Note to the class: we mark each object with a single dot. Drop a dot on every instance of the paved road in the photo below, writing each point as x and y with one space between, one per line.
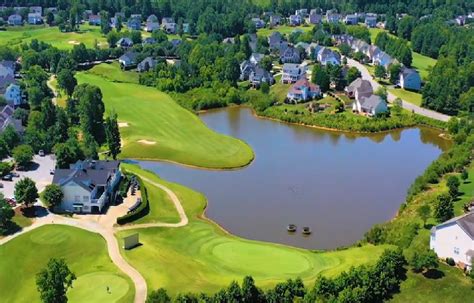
103 225
391 97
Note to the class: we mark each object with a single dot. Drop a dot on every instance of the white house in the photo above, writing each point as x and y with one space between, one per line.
455 239
292 72
35 18
410 79
87 185
370 106
13 95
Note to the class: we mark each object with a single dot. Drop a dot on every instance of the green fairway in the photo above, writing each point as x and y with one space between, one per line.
409 96
159 129
85 253
87 35
202 257
283 29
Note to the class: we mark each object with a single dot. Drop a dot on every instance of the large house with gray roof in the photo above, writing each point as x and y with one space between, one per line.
409 79
455 239
7 120
370 106
87 185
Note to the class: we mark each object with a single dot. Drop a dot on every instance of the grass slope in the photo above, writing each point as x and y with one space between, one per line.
283 29
88 35
407 95
85 253
201 257
175 133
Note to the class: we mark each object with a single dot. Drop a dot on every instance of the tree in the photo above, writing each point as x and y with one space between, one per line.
23 154
424 261
11 137
53 195
380 71
266 63
320 77
54 281
467 100
104 23
6 214
26 191
118 24
250 292
112 39
382 93
394 72
453 186
158 296
265 88
340 107
67 153
352 74
424 213
444 208
91 110
112 135
67 81
464 175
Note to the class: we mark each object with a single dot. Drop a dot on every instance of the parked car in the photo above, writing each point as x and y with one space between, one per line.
7 177
41 153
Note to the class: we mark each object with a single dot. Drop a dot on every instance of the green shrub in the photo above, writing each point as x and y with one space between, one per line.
141 211
450 261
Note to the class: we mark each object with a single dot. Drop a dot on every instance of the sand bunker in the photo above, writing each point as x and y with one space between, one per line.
123 124
74 42
146 142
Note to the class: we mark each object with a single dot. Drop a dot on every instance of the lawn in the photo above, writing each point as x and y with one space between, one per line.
280 90
157 128
112 72
201 257
409 96
87 35
85 253
283 29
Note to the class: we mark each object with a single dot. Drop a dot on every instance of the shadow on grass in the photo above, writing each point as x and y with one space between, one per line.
34 211
10 229
433 274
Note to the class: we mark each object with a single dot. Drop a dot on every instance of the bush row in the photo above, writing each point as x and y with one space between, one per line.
141 211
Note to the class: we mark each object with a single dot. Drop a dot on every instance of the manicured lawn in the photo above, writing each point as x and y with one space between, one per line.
85 253
201 257
466 190
159 129
87 35
283 29
280 90
423 64
112 72
406 95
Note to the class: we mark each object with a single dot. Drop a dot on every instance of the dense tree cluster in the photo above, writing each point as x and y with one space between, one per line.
395 47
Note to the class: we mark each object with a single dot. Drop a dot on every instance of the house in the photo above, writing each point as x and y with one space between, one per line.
259 23
259 76
169 28
136 16
15 20
255 58
360 46
7 119
35 18
186 28
87 185
290 55
176 42
455 239
124 42
314 17
166 20
327 56
152 18
151 26
409 79
274 40
246 68
371 20
7 75
382 58
302 45
134 24
332 16
295 20
372 105
275 20
128 60
351 19
13 95
359 88
303 13
372 52
52 9
228 40
292 72
303 90
149 40
36 10
312 50
147 64
94 20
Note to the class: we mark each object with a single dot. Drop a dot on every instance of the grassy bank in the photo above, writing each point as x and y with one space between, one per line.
201 257
85 253
283 29
157 128
409 96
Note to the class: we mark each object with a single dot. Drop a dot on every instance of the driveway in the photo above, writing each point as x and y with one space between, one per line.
39 172
391 97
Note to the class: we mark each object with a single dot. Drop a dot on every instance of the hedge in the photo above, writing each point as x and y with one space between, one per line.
141 211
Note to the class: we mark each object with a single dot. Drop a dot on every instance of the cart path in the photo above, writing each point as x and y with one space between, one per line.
391 97
107 231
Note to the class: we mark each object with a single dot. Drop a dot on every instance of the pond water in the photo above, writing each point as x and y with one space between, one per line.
337 184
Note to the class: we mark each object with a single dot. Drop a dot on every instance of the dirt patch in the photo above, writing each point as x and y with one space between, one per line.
123 124
74 42
147 142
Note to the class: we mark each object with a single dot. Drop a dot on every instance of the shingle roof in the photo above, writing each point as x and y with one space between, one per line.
466 222
371 102
361 84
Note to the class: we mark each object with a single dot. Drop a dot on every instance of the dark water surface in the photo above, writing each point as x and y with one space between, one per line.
337 184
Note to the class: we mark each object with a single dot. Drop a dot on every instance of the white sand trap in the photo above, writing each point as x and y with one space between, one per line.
74 42
123 124
146 142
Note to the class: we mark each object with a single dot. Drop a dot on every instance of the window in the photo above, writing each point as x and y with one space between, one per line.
77 199
85 198
456 250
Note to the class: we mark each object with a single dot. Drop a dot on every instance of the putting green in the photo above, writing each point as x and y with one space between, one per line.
159 129
85 253
201 257
93 288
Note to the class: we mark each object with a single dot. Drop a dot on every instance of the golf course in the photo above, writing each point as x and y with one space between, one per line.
85 253
155 127
201 257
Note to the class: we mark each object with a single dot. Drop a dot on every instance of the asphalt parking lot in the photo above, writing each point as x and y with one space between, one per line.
39 172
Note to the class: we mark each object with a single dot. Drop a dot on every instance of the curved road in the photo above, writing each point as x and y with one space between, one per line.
391 97
107 231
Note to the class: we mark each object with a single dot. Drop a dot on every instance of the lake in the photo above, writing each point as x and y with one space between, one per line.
337 184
